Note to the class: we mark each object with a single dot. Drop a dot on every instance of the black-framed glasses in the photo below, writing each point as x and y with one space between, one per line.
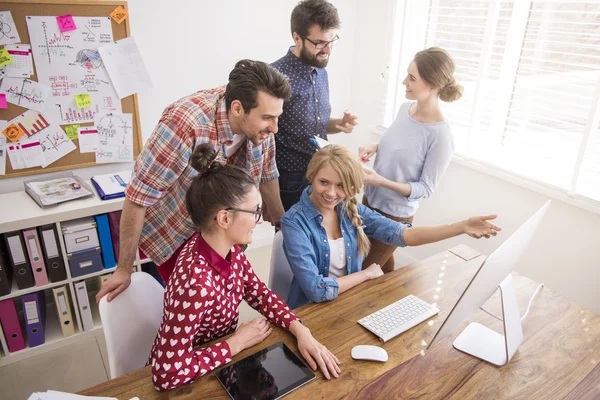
257 213
320 45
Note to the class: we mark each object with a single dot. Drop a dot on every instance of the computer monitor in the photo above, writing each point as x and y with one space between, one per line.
494 273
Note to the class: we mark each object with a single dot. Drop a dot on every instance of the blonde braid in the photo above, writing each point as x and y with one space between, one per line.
363 241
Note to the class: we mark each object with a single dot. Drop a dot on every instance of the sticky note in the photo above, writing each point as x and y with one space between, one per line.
5 58
72 131
13 132
119 14
83 100
3 103
66 23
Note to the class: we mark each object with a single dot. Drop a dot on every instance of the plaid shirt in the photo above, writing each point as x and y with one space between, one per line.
162 173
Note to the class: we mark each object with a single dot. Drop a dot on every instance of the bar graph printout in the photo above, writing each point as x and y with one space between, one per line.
70 64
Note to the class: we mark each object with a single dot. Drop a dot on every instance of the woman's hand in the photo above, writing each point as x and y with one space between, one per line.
373 271
367 151
478 227
314 352
372 178
248 334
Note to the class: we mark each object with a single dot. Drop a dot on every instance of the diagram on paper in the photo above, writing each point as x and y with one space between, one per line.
8 30
115 137
25 93
70 64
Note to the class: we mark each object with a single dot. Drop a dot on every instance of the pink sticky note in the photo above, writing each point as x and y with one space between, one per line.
3 101
66 23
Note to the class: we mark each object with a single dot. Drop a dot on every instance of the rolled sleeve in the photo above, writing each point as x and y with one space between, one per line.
163 159
269 169
381 228
302 258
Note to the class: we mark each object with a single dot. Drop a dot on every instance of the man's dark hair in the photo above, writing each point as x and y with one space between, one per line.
314 12
248 77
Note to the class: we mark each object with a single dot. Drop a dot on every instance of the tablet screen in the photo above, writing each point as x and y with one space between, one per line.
268 374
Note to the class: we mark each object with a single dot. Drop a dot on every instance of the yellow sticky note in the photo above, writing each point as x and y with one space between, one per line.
83 100
119 14
13 132
5 58
72 131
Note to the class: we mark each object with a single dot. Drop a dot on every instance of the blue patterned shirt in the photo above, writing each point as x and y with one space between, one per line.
305 114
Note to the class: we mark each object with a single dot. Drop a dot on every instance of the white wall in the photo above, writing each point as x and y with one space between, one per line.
565 254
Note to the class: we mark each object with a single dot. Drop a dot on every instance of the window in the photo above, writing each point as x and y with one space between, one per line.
531 73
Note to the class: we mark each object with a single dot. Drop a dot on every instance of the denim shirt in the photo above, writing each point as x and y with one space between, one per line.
306 247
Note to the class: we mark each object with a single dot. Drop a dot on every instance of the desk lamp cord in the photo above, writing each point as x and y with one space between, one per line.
526 311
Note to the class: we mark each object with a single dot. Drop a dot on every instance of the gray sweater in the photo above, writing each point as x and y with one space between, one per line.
410 152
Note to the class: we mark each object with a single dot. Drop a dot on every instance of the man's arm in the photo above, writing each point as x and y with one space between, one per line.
345 124
132 221
269 191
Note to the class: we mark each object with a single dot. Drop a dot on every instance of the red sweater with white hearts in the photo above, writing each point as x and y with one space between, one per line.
201 304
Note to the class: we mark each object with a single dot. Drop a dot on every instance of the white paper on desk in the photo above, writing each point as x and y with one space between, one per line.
55 143
25 93
321 142
115 137
3 155
9 30
22 65
125 67
88 139
54 395
73 66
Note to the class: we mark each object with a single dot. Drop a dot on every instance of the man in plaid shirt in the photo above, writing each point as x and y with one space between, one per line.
240 120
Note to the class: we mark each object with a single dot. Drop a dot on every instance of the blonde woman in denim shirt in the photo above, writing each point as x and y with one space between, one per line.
326 234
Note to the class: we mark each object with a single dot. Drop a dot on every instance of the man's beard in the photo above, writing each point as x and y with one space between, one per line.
312 60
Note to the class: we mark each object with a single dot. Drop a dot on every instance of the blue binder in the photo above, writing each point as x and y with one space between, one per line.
105 196
34 314
108 254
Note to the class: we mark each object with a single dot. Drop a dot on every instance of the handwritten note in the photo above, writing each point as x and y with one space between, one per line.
3 103
5 58
66 23
119 14
72 131
13 132
8 30
83 100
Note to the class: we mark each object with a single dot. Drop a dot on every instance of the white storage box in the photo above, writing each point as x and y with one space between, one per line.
80 234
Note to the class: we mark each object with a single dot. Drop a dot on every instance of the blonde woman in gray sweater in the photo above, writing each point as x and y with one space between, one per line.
415 151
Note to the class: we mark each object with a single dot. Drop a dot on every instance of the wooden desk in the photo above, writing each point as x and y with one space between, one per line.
558 359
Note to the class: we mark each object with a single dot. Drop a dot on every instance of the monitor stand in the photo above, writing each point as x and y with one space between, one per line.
488 345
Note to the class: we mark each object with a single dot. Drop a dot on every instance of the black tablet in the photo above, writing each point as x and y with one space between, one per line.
268 374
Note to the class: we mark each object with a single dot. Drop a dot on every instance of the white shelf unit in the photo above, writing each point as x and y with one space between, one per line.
20 212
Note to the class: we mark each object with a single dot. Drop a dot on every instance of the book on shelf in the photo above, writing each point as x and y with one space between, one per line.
111 186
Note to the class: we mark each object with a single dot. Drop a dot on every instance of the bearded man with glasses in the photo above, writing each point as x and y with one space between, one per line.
314 28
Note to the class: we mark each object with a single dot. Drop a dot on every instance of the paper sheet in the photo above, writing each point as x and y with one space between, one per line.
70 64
125 67
115 138
55 143
22 65
15 156
25 93
31 122
32 154
8 30
88 139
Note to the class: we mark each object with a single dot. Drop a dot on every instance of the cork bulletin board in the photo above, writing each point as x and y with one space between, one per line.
20 9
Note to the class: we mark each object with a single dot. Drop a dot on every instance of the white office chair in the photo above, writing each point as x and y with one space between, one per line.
131 322
281 274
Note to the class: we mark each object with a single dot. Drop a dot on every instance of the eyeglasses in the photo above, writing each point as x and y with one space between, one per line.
320 45
257 213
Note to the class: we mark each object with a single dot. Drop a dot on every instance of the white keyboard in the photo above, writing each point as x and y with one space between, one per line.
398 317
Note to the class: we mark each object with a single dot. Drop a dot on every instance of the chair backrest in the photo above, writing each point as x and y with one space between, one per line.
280 278
131 321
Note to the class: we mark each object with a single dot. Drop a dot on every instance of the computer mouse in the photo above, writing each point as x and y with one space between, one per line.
370 353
